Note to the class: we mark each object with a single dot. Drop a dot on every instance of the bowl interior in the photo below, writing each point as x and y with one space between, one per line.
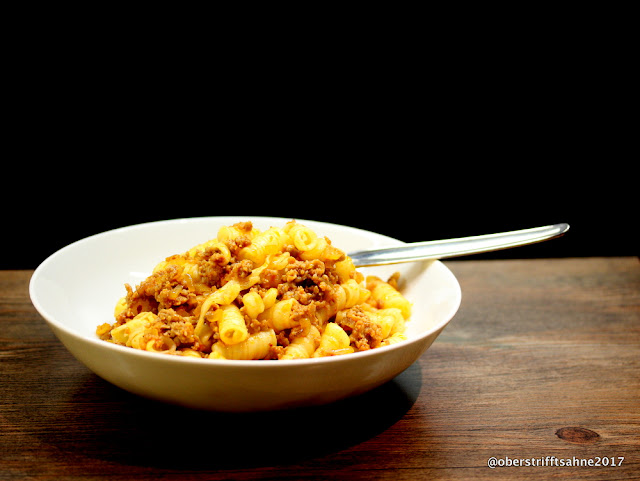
76 288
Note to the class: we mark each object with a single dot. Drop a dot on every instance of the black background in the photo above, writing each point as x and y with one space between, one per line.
405 197
421 146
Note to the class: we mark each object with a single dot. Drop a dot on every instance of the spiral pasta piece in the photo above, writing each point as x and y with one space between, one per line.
334 341
303 347
303 238
233 232
253 304
394 339
255 347
129 331
266 243
231 325
216 246
280 315
390 320
387 296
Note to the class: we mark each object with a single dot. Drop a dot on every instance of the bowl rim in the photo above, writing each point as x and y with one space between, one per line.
158 356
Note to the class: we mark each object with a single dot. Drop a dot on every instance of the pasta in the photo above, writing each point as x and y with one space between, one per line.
280 294
231 325
334 341
303 347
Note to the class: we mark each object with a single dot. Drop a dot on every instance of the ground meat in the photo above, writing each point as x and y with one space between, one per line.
305 317
270 278
238 270
299 271
236 244
256 325
104 331
275 352
209 270
245 227
305 281
393 280
178 328
283 338
363 333
171 296
137 301
160 290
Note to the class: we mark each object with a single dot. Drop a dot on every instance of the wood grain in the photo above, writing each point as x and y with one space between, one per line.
542 362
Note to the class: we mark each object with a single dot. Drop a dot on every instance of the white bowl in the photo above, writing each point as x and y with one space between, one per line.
76 289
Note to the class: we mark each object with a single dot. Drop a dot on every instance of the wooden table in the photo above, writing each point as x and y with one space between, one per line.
540 368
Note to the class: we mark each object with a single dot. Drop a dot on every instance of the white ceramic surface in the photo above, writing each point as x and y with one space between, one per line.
76 289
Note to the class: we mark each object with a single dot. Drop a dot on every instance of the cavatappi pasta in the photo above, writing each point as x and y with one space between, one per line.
281 293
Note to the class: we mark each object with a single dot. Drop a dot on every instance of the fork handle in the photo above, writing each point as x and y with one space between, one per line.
442 249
